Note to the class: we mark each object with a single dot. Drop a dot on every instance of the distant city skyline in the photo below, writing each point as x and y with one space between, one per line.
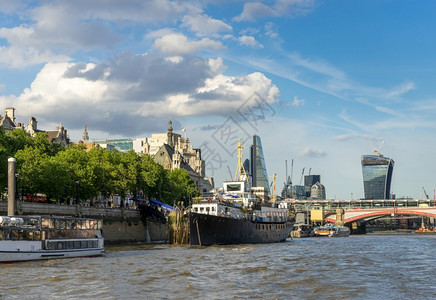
334 79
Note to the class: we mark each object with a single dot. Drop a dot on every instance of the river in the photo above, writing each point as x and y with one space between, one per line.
362 266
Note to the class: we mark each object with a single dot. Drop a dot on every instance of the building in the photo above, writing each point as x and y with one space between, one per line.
259 175
317 191
91 145
54 136
309 181
176 152
377 175
8 119
122 145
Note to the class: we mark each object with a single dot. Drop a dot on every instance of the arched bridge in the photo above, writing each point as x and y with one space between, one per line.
353 215
368 209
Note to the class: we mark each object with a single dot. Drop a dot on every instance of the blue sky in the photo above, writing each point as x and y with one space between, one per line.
333 79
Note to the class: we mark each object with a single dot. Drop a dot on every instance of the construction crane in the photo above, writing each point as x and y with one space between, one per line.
302 174
425 193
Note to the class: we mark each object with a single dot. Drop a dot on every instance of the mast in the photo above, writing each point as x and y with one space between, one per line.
274 176
240 166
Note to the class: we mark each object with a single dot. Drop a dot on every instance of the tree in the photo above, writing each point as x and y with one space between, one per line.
57 180
29 166
75 161
183 186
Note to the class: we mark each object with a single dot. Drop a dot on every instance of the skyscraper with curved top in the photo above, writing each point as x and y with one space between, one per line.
377 175
259 175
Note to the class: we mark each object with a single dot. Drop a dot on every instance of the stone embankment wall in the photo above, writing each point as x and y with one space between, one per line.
119 225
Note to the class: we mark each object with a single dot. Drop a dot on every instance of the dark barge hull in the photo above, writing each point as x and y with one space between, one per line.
208 230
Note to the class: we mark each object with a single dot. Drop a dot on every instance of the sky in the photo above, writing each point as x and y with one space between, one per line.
320 82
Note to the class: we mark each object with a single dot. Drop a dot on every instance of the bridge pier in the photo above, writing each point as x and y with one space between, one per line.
358 227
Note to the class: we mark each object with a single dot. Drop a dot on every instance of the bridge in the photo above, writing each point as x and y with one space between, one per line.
366 210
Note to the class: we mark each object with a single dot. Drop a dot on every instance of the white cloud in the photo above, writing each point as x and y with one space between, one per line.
129 87
255 10
400 90
296 102
353 136
178 44
310 152
289 8
205 25
66 27
249 41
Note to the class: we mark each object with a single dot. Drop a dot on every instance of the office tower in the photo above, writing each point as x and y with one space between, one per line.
377 175
259 175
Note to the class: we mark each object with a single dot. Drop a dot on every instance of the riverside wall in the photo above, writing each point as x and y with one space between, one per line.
120 225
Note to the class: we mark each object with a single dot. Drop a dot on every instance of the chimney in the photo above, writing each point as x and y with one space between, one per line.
10 112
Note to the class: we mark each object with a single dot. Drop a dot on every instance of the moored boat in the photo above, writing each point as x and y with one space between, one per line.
332 230
27 238
302 230
237 216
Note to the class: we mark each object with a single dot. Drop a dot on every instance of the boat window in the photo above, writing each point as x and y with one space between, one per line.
60 224
213 208
77 245
100 225
207 209
69 224
31 222
80 224
201 208
195 209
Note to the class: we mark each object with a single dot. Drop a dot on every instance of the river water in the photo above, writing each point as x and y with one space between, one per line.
366 266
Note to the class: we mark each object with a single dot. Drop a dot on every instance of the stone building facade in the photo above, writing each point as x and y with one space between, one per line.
54 136
176 152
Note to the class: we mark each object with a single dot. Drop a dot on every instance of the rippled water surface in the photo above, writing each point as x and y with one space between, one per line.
366 267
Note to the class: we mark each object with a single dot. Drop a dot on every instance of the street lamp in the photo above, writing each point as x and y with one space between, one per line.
77 192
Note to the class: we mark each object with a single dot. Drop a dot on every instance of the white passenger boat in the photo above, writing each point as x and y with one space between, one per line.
27 238
332 230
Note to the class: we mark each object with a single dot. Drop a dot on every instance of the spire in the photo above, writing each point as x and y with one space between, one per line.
170 141
85 134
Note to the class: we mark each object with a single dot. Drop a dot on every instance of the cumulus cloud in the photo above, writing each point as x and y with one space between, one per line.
136 90
310 152
66 27
178 44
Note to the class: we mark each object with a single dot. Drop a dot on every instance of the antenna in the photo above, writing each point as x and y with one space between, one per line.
230 172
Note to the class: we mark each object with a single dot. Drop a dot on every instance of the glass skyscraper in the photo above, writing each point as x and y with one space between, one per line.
259 175
377 175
